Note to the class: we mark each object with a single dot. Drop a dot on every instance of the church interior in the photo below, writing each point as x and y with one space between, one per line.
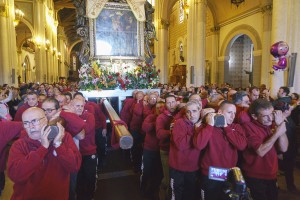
191 43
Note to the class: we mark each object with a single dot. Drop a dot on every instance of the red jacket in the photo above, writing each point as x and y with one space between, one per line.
125 113
18 116
87 145
137 117
148 110
8 131
74 124
100 118
253 165
151 142
40 173
220 145
183 155
163 122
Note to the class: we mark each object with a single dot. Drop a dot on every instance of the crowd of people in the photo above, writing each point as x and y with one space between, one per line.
181 137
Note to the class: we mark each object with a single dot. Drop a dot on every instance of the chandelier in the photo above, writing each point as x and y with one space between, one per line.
237 2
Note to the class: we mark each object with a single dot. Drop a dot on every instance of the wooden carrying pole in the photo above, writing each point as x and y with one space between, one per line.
123 136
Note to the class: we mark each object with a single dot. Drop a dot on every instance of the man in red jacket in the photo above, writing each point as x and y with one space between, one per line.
40 168
163 133
151 165
86 182
72 124
31 101
183 157
260 163
220 146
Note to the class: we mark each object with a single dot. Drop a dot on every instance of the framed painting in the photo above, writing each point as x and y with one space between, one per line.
116 34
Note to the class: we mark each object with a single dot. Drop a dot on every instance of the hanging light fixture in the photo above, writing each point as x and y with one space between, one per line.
18 16
237 2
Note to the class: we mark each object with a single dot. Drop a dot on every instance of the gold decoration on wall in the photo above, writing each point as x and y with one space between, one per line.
3 10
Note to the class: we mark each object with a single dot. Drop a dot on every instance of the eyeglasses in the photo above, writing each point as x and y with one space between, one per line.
34 122
48 110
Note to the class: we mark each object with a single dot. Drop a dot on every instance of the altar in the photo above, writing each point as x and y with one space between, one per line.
115 97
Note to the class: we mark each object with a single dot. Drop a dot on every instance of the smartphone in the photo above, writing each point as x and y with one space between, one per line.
219 120
53 132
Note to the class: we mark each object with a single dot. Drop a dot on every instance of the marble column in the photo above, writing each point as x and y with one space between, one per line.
266 43
161 60
8 50
215 45
294 40
62 71
39 28
279 33
196 42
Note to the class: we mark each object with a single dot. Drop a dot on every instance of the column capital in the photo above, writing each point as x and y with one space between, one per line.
3 10
164 23
215 29
266 8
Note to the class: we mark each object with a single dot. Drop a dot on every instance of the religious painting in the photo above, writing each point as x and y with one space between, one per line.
116 33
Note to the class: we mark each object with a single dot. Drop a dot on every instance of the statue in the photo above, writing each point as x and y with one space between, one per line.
150 32
82 30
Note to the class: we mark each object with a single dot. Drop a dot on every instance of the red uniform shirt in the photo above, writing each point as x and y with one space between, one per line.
125 113
40 173
18 116
137 117
8 131
253 165
220 145
151 142
183 155
74 124
163 122
87 145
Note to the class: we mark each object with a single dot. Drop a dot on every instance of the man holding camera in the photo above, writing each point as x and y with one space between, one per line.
260 163
36 163
219 139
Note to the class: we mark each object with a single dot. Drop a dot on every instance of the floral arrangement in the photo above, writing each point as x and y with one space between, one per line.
108 76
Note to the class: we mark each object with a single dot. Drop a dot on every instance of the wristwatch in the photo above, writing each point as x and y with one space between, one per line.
57 144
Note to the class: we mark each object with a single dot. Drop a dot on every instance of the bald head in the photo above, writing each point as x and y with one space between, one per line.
34 120
78 105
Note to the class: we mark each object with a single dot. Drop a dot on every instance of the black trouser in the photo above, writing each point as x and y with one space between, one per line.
212 189
101 143
137 150
152 174
2 182
86 178
287 165
73 183
183 184
262 189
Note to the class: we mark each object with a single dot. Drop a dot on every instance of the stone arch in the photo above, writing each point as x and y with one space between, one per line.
235 33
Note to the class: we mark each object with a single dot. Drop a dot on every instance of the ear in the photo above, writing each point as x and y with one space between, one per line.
254 116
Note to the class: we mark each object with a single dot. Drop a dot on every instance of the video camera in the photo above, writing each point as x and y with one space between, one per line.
236 186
